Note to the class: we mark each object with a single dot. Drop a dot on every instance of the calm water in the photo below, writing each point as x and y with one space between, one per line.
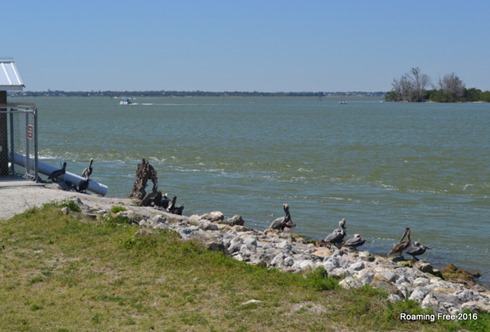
381 166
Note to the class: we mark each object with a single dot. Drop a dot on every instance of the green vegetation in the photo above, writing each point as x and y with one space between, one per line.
71 205
413 87
67 273
117 208
468 95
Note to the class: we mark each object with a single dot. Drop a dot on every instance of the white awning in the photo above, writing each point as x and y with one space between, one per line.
9 76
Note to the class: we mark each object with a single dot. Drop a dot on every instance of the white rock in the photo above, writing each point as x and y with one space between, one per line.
158 219
419 294
213 216
208 226
421 282
390 276
357 266
235 245
475 306
288 261
349 283
429 302
394 297
337 273
278 260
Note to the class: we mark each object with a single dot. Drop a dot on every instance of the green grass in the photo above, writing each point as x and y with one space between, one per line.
66 273
117 208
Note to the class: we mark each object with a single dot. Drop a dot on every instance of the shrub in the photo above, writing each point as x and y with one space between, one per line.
117 208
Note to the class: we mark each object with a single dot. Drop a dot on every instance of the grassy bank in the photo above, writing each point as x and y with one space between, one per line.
67 273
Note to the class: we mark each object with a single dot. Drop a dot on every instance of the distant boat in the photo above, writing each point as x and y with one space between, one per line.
125 101
342 102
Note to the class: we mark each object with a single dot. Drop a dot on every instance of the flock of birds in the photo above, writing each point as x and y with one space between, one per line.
170 205
162 202
83 185
336 237
407 247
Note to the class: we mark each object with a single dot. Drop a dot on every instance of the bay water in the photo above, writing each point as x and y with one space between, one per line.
381 166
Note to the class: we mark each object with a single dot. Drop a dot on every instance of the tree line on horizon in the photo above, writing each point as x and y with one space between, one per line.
196 93
418 87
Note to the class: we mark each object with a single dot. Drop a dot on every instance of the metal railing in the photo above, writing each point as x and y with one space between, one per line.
18 136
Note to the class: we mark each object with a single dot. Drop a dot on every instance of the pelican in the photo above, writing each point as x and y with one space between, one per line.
355 242
57 173
283 222
402 245
415 249
337 235
164 202
83 185
175 209
88 171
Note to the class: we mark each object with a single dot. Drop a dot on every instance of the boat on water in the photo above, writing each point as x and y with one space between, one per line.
342 102
126 101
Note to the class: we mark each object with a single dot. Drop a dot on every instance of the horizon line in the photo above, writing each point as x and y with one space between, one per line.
203 91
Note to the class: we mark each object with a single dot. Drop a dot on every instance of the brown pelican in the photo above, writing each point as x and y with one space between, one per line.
57 173
172 208
164 202
355 242
415 249
88 171
338 234
283 222
83 185
402 245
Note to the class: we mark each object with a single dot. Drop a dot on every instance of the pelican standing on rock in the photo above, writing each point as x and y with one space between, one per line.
338 234
415 249
283 222
164 202
88 171
57 173
355 242
172 208
402 245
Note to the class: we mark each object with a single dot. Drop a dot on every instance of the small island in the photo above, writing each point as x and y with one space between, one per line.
418 87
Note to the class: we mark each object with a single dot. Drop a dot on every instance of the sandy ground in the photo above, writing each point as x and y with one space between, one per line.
17 196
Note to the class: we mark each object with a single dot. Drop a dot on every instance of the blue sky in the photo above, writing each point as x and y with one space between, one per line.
266 45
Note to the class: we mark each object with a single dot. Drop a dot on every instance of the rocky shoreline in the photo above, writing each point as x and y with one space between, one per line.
403 279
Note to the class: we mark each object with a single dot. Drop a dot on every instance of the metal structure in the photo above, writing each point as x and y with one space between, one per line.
9 76
20 136
18 127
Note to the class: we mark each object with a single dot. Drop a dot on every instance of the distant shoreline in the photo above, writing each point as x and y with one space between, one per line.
162 93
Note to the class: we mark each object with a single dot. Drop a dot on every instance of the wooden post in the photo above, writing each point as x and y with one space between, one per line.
4 155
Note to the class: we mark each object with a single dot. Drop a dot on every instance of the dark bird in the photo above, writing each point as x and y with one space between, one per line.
283 222
402 245
172 208
179 210
355 242
164 202
88 171
83 185
338 234
415 249
57 173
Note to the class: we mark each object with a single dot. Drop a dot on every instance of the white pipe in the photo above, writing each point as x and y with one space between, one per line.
21 160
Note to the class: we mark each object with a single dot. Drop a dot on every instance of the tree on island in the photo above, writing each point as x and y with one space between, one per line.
412 87
451 89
